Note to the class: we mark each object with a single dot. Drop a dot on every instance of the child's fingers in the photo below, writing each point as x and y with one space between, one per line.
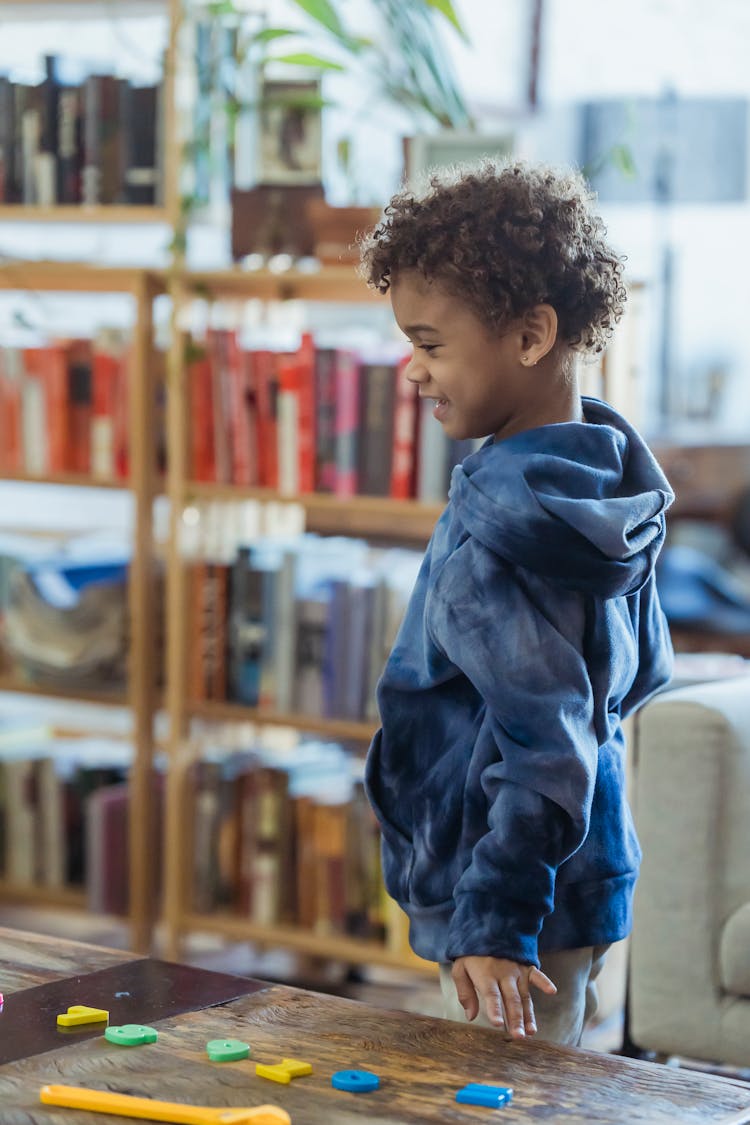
467 996
514 1013
529 1019
542 982
493 1004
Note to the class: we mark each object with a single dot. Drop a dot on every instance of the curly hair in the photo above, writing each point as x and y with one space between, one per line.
504 238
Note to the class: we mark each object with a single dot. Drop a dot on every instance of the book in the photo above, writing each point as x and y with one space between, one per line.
139 164
69 144
405 416
9 190
46 159
325 419
347 422
200 396
266 393
79 363
312 626
247 630
107 837
378 397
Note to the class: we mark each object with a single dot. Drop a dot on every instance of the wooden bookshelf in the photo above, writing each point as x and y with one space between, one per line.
341 729
329 283
374 517
15 684
328 946
80 213
68 480
40 895
141 695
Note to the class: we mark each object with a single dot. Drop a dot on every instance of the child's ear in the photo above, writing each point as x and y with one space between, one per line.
538 334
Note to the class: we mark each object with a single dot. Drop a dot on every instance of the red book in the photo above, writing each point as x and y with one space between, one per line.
202 460
80 405
121 419
347 422
106 375
266 393
403 465
306 412
49 367
11 411
241 440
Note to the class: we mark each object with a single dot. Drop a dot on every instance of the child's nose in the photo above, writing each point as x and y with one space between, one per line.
416 372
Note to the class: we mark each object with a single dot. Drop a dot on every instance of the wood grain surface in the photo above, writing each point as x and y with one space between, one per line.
422 1062
29 959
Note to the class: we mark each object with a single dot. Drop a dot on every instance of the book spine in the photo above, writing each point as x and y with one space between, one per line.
347 422
432 456
8 184
306 413
267 394
46 162
288 430
91 176
80 406
325 419
221 403
239 419
376 428
403 466
69 142
203 460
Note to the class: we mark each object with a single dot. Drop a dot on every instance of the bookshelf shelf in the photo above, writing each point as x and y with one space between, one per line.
77 277
343 729
373 516
67 480
70 897
330 283
13 684
329 946
77 213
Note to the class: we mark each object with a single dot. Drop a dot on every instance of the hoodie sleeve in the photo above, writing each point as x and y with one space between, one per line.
519 643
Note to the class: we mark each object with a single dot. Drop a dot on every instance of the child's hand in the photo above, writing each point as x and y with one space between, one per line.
503 987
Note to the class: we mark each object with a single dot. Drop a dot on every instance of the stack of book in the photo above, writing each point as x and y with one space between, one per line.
63 408
93 143
63 814
313 420
287 839
300 626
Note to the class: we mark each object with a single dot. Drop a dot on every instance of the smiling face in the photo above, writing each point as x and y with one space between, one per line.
483 382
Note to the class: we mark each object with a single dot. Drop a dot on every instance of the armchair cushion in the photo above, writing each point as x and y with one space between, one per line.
734 953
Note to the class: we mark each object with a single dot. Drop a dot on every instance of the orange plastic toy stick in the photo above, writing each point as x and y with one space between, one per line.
149 1109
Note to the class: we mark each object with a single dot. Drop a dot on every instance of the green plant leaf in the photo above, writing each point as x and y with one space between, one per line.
305 59
323 12
445 7
622 158
270 33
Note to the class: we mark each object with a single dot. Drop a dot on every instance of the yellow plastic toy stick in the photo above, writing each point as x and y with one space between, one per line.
149 1109
80 1014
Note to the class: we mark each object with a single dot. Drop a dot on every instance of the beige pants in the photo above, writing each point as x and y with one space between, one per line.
560 1018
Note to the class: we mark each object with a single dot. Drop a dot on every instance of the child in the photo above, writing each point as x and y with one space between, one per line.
534 626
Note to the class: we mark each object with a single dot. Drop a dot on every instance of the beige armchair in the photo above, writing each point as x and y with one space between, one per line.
690 950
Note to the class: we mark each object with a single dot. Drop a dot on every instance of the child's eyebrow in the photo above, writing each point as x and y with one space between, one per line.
412 328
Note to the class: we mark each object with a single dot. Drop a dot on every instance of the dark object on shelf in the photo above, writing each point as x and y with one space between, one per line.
336 230
270 220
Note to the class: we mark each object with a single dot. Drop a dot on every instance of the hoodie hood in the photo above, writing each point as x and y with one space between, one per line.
581 503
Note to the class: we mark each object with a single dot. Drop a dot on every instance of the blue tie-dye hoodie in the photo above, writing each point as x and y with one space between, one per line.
533 629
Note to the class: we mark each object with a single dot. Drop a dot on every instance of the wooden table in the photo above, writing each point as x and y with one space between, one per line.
422 1062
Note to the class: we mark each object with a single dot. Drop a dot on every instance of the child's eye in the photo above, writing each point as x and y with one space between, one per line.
429 348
